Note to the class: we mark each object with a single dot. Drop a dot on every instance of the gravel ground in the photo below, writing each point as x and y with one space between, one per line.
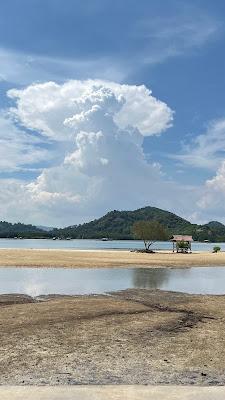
128 337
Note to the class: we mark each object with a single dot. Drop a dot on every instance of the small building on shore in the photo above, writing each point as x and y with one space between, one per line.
182 243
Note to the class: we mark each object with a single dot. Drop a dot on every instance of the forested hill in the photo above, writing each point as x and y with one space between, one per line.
118 225
8 230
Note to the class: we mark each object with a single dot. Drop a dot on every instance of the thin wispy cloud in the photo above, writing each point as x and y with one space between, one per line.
206 150
146 41
175 36
21 68
20 149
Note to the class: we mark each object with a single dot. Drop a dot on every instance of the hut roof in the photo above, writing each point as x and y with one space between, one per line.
180 238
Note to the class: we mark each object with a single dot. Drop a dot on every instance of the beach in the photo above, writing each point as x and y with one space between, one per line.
134 336
105 258
130 337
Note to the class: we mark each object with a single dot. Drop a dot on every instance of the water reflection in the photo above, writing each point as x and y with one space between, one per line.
34 282
150 278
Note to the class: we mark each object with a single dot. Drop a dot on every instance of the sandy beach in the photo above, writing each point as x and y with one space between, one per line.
105 258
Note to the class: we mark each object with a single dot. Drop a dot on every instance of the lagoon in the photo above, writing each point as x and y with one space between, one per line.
40 281
92 244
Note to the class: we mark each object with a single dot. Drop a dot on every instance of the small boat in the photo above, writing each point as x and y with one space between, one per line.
105 239
54 238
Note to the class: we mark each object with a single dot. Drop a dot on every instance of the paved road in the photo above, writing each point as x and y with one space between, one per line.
112 393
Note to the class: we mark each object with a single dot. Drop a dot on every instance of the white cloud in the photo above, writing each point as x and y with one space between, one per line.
177 35
206 150
25 68
213 197
103 165
49 107
146 41
19 149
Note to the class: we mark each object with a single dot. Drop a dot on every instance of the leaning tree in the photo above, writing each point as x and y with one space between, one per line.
149 232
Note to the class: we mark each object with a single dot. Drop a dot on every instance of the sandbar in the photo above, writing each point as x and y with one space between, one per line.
105 258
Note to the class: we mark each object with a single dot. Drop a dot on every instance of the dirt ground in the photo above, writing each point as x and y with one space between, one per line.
105 258
128 337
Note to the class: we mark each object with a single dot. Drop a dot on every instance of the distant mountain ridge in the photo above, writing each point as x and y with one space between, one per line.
118 225
45 228
9 230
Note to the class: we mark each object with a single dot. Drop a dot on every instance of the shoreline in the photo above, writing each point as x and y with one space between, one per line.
68 258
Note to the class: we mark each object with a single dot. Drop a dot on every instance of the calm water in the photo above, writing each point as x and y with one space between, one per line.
35 282
95 244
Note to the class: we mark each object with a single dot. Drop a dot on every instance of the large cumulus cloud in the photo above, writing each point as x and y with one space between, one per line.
46 106
99 127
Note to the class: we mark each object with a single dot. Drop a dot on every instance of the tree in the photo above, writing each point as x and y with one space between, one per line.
149 232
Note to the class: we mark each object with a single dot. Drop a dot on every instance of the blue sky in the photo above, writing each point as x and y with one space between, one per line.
174 48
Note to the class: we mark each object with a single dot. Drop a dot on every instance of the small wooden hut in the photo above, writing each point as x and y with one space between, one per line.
178 239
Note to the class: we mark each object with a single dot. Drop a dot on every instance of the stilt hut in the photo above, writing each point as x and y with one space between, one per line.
185 240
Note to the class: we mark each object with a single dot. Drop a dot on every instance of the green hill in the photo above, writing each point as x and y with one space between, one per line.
8 230
118 224
213 231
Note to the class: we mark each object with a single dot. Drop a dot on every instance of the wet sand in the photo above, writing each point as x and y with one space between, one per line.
105 258
130 337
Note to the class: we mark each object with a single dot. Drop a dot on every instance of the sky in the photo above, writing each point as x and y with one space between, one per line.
110 104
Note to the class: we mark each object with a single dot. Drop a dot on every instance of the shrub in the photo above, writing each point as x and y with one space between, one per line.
182 245
216 249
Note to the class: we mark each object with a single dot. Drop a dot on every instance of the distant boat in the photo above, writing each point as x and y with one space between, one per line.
68 238
54 238
105 239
